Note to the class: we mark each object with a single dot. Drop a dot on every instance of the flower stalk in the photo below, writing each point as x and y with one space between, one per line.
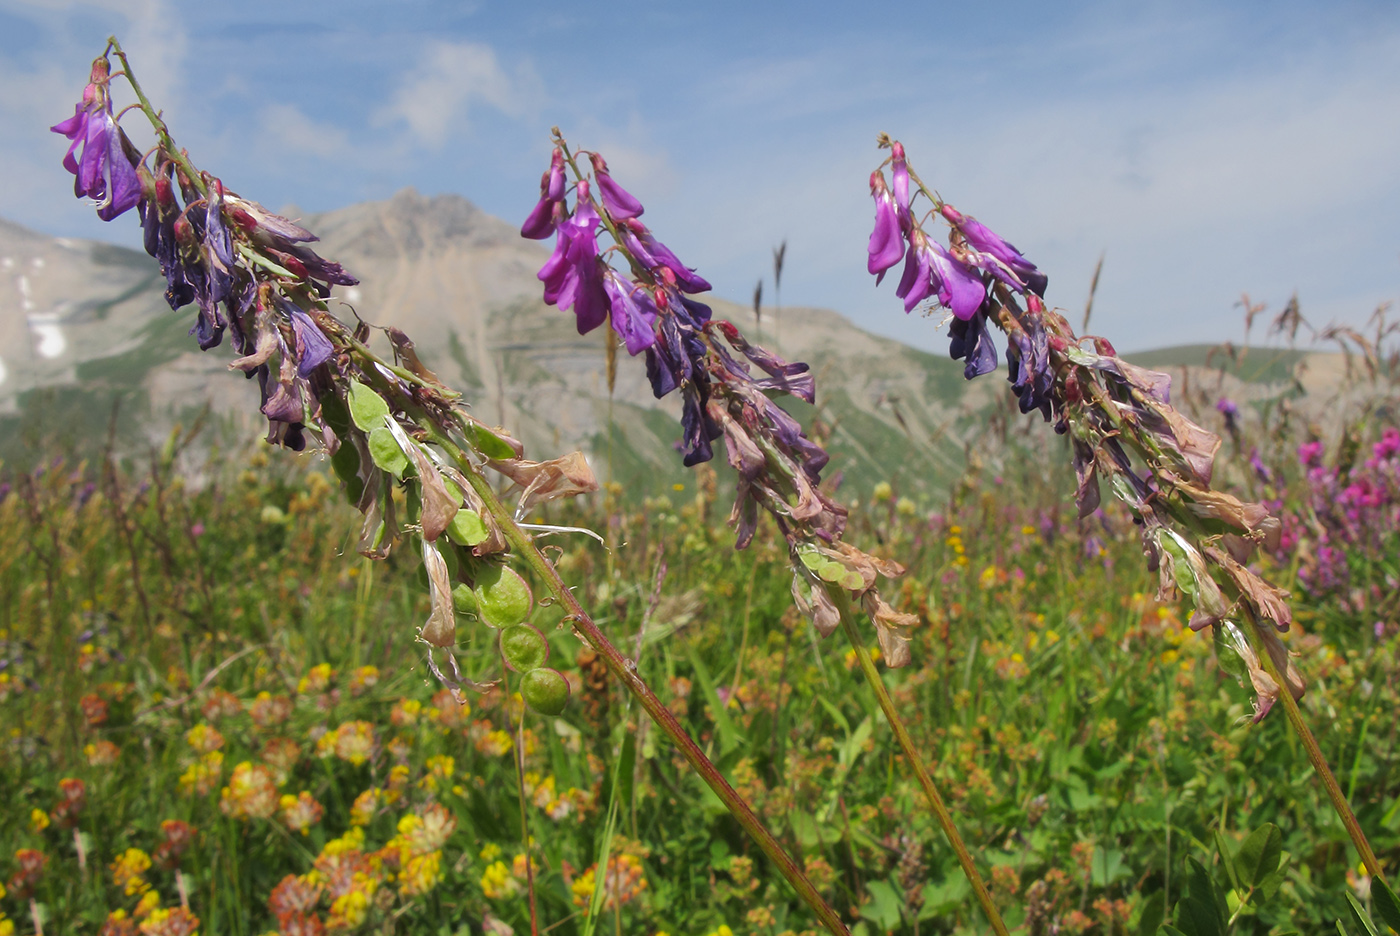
1123 428
916 764
1294 714
625 671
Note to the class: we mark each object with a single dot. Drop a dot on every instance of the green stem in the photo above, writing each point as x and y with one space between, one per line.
911 756
167 143
626 672
1319 763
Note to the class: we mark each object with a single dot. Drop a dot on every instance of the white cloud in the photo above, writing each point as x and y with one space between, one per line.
437 95
289 129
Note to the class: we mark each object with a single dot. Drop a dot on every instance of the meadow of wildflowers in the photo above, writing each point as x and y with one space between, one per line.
216 721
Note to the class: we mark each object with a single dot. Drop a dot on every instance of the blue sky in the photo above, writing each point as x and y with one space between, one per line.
1209 149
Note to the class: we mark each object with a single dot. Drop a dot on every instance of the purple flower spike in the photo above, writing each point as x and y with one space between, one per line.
616 199
1006 263
886 246
962 290
104 172
633 312
542 220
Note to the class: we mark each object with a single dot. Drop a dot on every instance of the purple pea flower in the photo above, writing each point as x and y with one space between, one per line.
886 245
312 345
962 290
633 312
996 256
542 220
920 280
105 172
658 258
619 203
1028 362
972 341
571 276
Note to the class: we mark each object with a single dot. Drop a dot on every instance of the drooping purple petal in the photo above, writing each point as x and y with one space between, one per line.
886 246
899 171
658 258
545 218
619 203
972 341
633 312
962 289
986 241
313 347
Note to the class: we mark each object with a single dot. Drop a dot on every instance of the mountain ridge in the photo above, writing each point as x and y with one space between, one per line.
461 283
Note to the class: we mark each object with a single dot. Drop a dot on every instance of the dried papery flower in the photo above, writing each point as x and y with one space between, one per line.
1119 417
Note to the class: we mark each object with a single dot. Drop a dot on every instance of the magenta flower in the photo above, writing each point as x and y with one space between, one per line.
659 259
919 280
995 255
544 218
899 169
962 289
618 202
886 245
571 275
105 172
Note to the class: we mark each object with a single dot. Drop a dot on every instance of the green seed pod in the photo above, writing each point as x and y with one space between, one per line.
523 647
464 599
503 598
467 528
545 690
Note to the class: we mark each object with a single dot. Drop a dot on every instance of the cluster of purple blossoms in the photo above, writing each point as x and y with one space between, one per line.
106 169
209 242
724 381
962 278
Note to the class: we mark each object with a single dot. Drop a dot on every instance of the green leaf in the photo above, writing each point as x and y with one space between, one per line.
1202 912
367 408
346 465
1222 848
883 907
1166 929
335 415
1359 915
490 444
943 899
1385 903
386 452
1154 911
1258 856
729 737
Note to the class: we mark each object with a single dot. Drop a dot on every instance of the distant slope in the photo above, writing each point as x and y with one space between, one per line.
85 333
